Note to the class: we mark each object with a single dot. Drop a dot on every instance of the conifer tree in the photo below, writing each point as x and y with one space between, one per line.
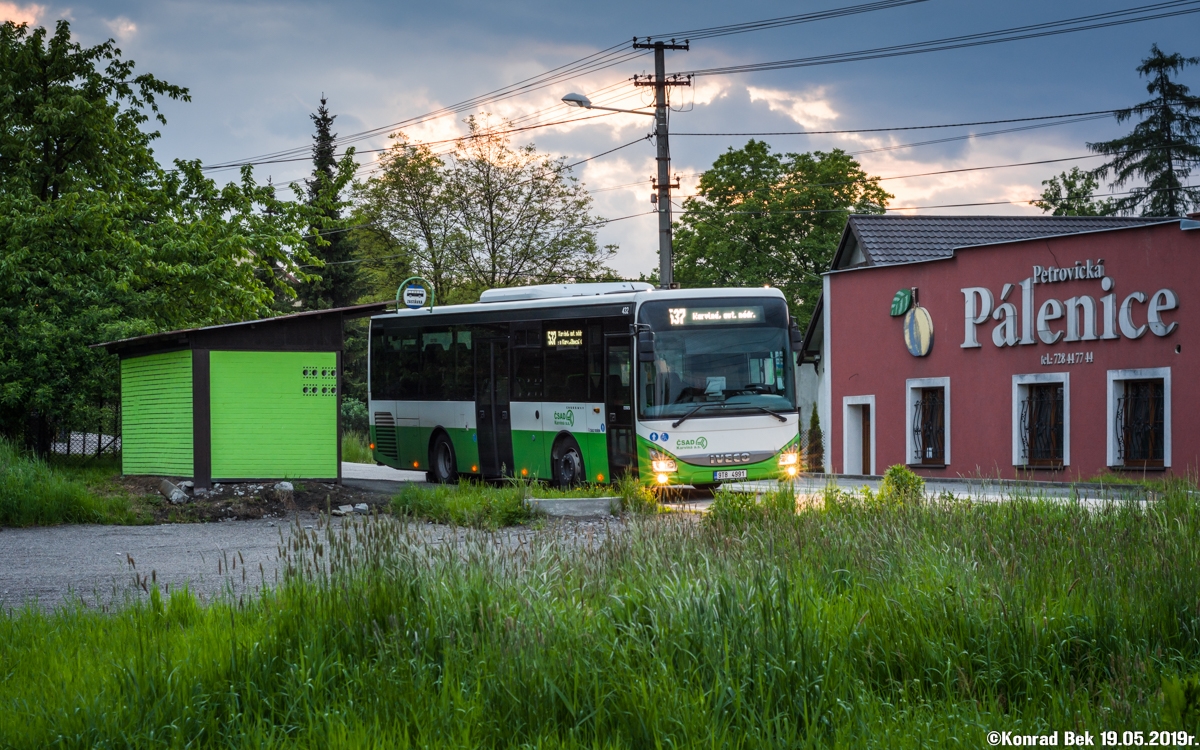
1163 147
338 285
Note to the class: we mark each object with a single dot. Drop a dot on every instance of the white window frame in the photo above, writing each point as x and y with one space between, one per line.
1020 390
848 404
912 387
1115 380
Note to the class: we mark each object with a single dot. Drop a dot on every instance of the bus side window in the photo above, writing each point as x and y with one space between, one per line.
566 361
595 362
406 384
380 364
527 374
464 367
435 365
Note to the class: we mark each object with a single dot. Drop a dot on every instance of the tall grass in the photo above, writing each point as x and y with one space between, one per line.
356 449
33 493
864 624
465 504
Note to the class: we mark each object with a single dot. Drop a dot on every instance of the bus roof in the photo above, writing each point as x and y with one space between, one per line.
533 302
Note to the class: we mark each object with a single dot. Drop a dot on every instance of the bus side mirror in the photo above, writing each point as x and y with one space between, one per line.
796 337
645 346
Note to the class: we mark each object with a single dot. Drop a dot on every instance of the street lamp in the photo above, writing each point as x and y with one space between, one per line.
662 186
579 100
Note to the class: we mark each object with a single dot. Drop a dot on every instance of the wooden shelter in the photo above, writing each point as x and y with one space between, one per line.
258 400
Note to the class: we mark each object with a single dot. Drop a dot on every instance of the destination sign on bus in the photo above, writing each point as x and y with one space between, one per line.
572 339
696 316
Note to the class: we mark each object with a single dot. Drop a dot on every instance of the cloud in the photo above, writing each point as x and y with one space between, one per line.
29 14
121 27
810 109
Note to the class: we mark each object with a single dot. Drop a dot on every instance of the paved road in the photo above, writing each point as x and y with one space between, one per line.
47 565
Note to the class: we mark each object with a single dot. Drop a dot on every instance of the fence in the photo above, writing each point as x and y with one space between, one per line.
89 432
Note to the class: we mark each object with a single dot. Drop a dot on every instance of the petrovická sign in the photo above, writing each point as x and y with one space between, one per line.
1079 318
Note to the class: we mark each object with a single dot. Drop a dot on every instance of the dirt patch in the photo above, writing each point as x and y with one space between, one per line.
243 500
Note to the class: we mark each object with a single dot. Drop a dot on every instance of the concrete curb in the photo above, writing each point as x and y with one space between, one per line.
575 507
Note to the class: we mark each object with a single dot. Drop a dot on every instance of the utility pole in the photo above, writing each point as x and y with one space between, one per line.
662 185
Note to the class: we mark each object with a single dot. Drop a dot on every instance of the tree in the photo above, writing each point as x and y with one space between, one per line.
519 216
406 210
490 215
764 218
97 241
1162 148
336 282
1071 194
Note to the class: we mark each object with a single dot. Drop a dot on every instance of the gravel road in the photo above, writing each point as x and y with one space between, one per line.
43 567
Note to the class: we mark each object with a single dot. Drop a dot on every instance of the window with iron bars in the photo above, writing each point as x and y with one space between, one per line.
929 427
1042 426
1139 424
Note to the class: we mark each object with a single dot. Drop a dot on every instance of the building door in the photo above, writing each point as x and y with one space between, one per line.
493 416
867 467
618 404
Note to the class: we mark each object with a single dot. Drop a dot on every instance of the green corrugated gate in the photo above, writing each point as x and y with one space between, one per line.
156 414
273 414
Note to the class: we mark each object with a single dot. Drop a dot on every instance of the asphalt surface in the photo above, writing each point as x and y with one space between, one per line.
45 566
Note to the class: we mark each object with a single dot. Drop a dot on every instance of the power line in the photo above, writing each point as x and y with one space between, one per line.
1150 12
780 21
459 139
601 60
1099 112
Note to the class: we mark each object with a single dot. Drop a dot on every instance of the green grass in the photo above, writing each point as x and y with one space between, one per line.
465 504
35 493
861 624
356 448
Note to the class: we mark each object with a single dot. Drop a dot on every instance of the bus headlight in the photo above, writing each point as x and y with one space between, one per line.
662 478
789 459
662 464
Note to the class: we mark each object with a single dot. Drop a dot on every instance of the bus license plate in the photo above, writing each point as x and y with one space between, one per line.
737 474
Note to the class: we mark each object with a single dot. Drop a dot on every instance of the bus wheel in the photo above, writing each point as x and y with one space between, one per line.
442 461
567 463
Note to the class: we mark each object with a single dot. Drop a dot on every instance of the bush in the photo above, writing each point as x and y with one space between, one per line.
354 416
32 493
900 486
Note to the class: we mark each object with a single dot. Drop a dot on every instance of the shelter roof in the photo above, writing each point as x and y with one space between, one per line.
305 331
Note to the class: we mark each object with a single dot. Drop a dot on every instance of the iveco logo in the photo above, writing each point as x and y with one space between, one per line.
728 458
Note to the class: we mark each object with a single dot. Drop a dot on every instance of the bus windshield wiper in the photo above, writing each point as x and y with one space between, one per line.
691 413
775 414
723 406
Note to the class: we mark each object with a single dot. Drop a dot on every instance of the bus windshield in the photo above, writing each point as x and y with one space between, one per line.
731 355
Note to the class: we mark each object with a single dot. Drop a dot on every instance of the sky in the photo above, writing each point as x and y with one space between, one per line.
256 70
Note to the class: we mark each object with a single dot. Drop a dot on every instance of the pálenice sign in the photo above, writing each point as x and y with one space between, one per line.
1079 318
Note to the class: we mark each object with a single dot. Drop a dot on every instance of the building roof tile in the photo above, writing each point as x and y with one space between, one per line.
892 238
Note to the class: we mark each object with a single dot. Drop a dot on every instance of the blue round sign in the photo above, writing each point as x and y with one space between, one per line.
664 437
654 437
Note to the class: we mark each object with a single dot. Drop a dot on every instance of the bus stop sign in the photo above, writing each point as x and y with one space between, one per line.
414 296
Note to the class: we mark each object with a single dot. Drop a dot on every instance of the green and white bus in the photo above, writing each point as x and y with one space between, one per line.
581 383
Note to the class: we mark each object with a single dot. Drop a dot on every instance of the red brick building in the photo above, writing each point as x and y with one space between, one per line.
1052 348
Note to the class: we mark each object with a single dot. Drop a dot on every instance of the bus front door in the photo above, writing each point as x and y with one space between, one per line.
618 404
493 419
